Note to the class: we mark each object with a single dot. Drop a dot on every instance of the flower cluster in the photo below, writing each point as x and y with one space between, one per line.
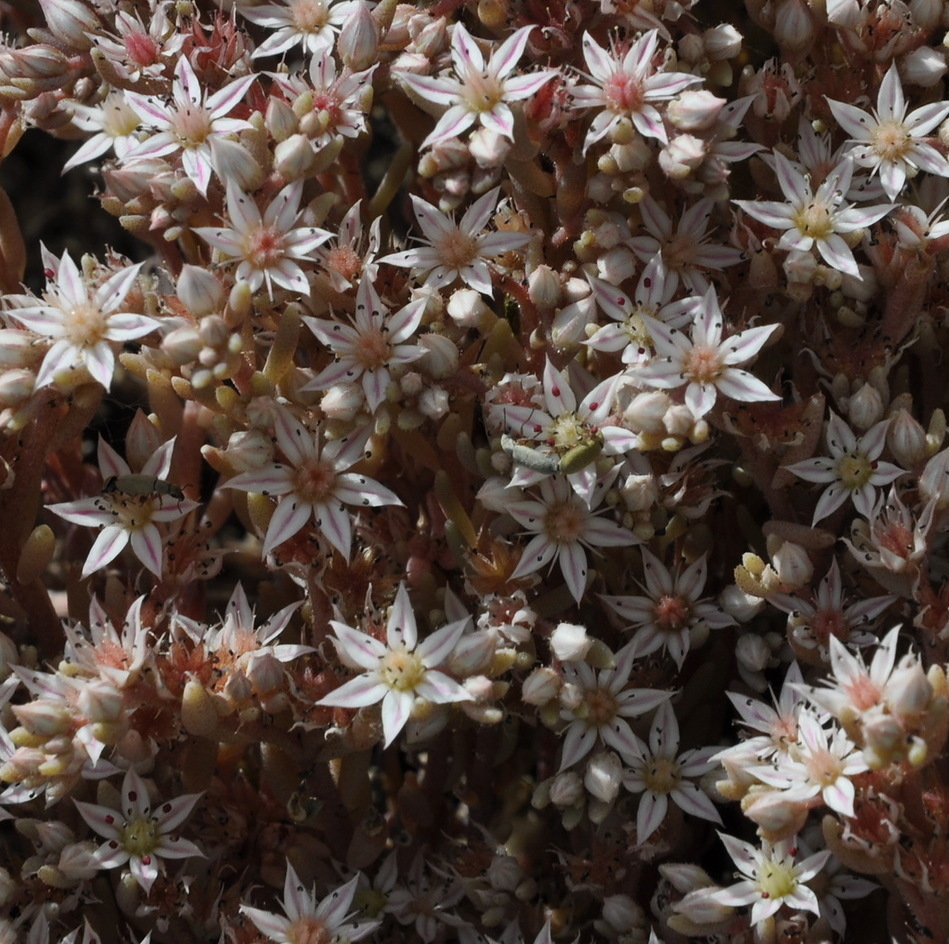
496 403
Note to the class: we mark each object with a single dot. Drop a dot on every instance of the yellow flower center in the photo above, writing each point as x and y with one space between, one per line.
854 471
140 836
457 249
85 325
814 220
401 670
599 707
776 880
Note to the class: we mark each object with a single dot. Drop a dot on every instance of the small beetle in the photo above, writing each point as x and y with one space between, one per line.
573 460
140 486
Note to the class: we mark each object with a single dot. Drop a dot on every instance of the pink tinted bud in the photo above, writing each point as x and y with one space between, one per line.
249 449
265 672
100 701
17 348
200 290
908 692
543 287
793 564
694 110
238 688
780 813
358 41
432 39
342 402
16 386
722 42
865 407
280 120
488 148
794 26
540 687
39 61
467 308
233 162
43 719
69 21
473 653
935 479
440 354
294 158
682 156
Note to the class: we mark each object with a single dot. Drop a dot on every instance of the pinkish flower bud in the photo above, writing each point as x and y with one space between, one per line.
233 162
647 412
249 449
623 914
753 652
570 642
358 40
100 701
908 691
433 402
603 776
343 402
41 719
780 813
540 687
488 148
432 39
934 481
69 21
694 110
200 290
17 348
682 156
38 61
794 27
78 862
616 265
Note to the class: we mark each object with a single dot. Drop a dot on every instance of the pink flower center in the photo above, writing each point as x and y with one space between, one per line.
372 349
896 538
344 260
565 522
671 614
309 930
457 249
623 93
263 248
703 364
309 16
314 481
141 49
827 623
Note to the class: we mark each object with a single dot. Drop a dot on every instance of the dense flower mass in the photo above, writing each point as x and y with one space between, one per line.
499 492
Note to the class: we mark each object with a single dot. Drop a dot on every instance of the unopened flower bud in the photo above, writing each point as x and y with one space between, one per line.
623 914
100 701
543 287
603 776
570 642
69 21
647 412
540 687
233 162
924 67
42 719
865 407
488 148
39 61
682 156
433 38
16 386
440 357
792 563
566 790
294 158
907 440
908 691
17 348
616 265
934 479
694 110
358 40
280 120
467 308
752 652
342 402
722 42
473 653
200 290
182 345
